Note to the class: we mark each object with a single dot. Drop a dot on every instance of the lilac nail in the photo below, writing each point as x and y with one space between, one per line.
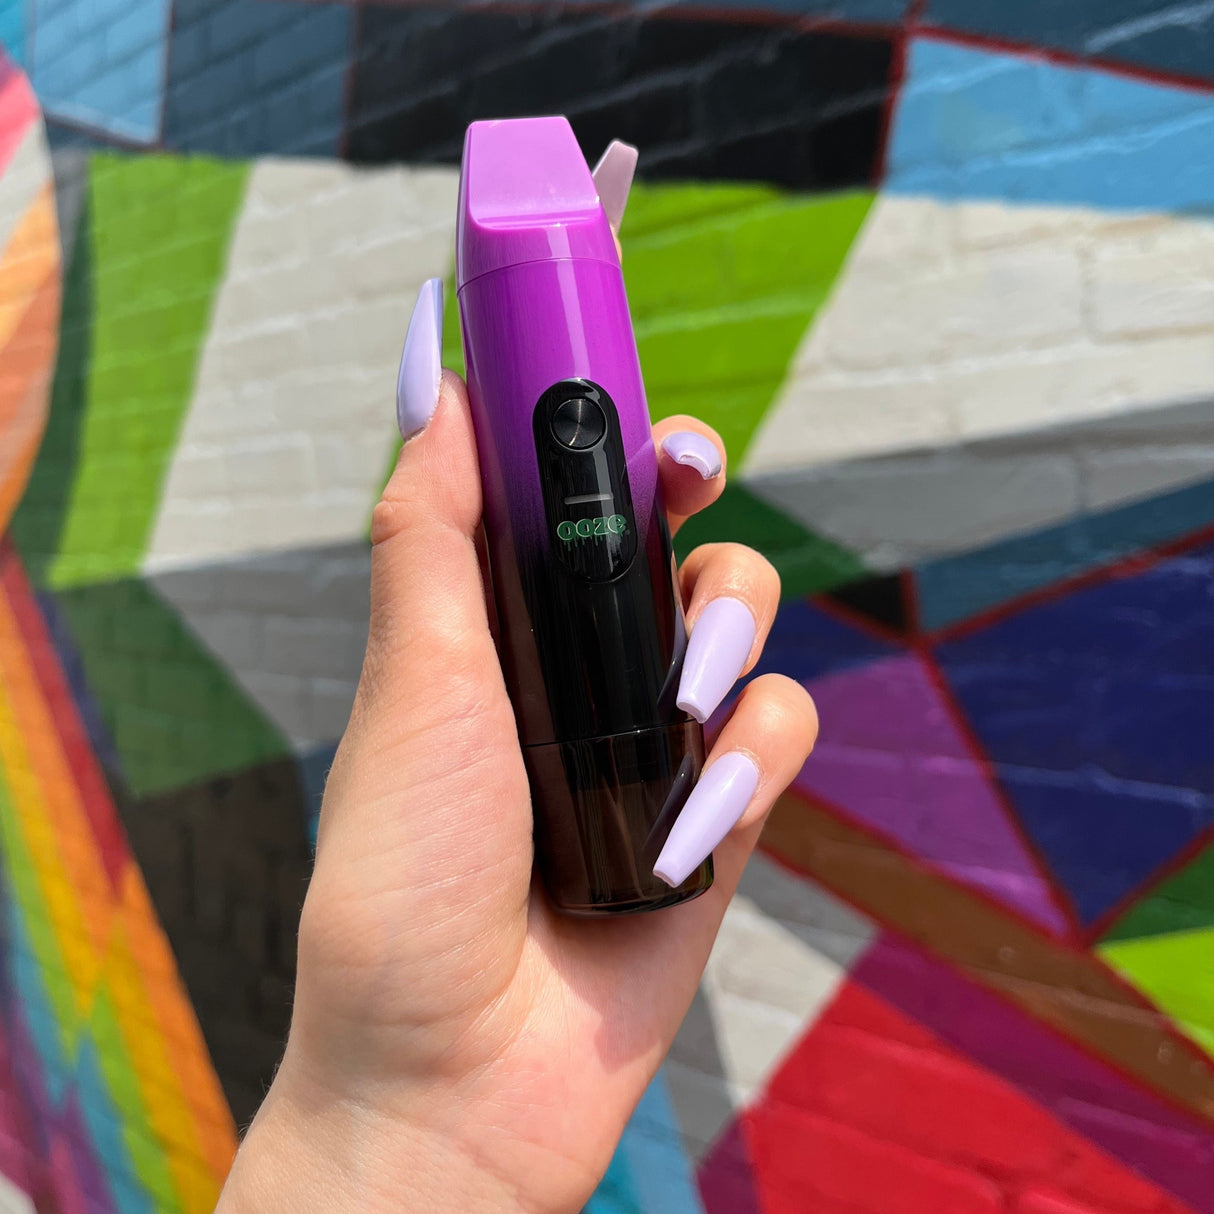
613 179
694 450
717 650
421 363
713 809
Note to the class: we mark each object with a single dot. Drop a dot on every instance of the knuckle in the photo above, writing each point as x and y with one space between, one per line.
786 712
734 569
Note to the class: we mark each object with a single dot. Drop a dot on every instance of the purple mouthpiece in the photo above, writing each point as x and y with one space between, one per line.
526 194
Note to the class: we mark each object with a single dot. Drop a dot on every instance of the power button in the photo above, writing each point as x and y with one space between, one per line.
579 449
578 423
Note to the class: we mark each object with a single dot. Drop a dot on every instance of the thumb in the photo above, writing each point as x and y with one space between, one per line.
431 745
429 644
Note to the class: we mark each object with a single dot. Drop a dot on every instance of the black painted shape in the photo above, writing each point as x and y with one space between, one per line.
247 78
703 98
879 599
227 863
1170 38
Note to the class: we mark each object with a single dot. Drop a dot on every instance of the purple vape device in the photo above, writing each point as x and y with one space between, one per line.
590 624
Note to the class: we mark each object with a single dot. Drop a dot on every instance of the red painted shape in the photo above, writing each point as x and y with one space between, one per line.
810 1163
874 1111
94 793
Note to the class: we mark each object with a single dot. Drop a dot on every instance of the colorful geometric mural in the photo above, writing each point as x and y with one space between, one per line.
942 275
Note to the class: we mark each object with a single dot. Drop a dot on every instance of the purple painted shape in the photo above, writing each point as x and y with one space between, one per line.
891 756
90 1183
52 1136
726 1175
1165 1145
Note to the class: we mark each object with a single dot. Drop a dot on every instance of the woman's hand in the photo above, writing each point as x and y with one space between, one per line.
456 1045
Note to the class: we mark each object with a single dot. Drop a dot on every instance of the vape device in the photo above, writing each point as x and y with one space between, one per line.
590 623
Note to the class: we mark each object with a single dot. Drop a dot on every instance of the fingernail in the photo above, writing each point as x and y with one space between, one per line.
613 179
694 450
717 650
421 363
714 807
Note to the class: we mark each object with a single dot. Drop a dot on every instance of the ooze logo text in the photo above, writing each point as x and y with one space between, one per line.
588 528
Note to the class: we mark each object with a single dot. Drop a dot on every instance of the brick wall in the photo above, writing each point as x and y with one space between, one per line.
942 275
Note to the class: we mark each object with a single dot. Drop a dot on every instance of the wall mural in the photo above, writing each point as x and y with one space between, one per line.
941 273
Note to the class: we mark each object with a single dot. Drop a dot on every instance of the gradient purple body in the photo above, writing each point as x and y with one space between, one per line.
537 324
542 300
592 663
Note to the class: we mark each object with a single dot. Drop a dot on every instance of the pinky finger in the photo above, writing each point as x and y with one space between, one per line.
759 750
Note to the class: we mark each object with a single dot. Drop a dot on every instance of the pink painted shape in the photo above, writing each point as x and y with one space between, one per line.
891 756
18 108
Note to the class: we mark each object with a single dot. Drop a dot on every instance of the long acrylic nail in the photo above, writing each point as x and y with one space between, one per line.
713 809
421 363
613 179
694 450
717 649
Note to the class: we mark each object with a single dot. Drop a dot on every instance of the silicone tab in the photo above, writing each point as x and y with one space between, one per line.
526 194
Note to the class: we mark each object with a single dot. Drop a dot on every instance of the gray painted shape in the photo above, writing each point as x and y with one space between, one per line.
695 1079
805 909
695 1071
71 170
899 509
290 628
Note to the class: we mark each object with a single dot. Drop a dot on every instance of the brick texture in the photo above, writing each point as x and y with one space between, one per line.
942 275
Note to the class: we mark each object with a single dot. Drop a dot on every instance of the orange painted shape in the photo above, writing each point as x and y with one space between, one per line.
64 820
29 259
161 1090
29 323
149 951
62 904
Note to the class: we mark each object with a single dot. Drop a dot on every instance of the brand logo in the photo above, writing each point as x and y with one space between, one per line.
589 528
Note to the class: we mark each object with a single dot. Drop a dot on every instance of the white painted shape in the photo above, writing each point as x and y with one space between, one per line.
14 1200
287 438
20 182
955 320
771 975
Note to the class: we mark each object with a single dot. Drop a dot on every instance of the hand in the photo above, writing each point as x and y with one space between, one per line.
456 1045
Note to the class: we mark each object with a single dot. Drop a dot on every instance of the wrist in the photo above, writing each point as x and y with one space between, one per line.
309 1150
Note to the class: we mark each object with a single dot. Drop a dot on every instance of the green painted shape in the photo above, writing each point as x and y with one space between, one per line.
453 344
21 874
38 520
1182 903
807 564
159 229
723 282
175 715
147 1154
1177 973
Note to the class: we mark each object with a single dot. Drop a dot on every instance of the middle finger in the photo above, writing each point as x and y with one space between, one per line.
732 593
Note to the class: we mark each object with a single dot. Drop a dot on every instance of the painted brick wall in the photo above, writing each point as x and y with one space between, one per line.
942 275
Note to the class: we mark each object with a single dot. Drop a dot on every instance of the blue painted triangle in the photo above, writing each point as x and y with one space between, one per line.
1094 708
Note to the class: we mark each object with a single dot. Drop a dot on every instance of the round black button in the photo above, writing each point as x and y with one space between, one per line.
578 423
